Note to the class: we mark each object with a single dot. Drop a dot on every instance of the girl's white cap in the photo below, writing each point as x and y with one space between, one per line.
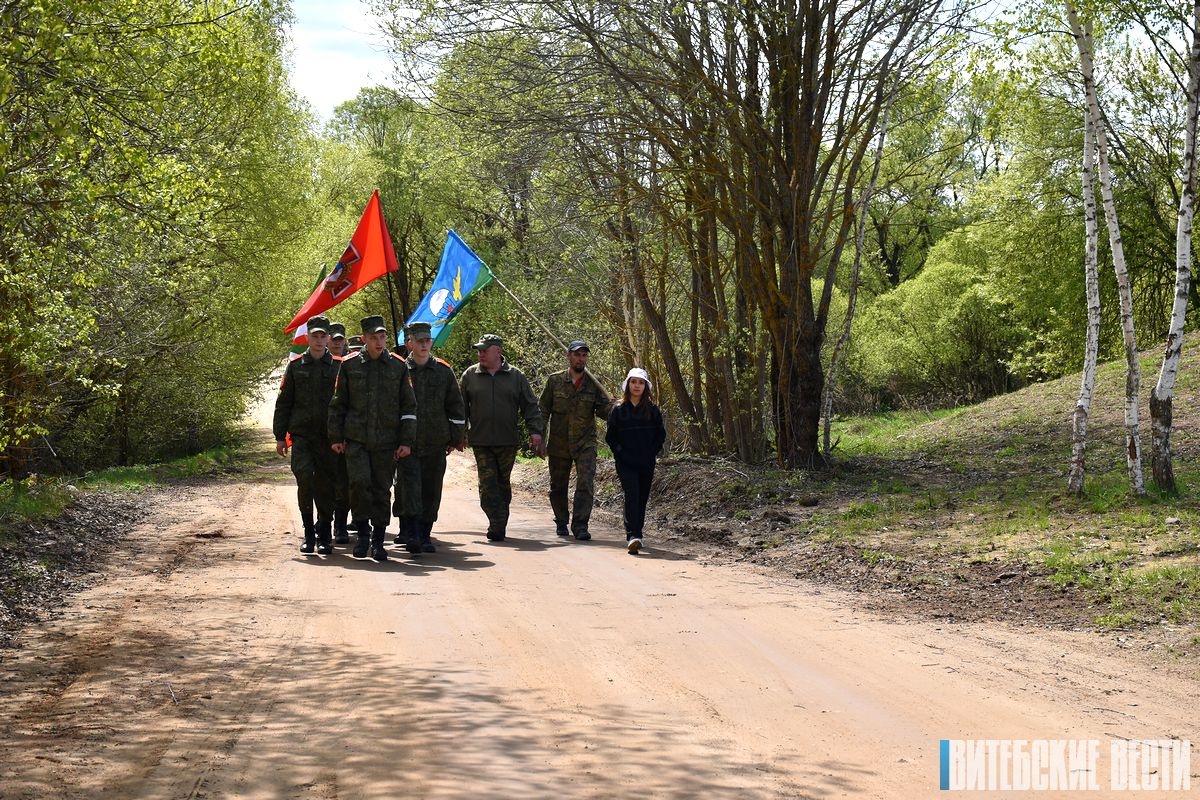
636 372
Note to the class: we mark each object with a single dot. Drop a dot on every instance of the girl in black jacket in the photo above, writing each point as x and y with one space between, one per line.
636 435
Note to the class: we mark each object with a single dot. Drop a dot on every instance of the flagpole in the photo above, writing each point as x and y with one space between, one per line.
532 316
392 302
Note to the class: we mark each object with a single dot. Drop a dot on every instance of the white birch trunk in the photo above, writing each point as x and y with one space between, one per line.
1133 444
827 410
1092 281
1162 396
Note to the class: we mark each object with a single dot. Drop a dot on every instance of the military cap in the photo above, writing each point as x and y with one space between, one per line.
577 344
489 340
337 330
373 324
318 324
418 330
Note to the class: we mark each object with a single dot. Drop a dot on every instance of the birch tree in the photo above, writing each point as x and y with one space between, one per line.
1082 31
1162 396
1087 381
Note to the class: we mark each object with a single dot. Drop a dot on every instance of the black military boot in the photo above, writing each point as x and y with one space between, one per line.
364 539
412 534
310 539
561 528
377 550
324 538
340 534
427 545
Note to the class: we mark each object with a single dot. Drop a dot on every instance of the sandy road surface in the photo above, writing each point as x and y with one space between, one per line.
218 662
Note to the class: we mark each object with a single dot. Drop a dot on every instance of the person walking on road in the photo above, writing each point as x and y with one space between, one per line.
571 401
341 479
441 427
496 395
636 435
301 412
372 419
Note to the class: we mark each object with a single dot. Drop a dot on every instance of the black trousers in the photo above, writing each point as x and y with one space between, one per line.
635 483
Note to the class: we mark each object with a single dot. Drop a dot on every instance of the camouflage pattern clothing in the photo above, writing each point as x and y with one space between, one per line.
301 411
493 404
441 423
373 411
570 411
495 465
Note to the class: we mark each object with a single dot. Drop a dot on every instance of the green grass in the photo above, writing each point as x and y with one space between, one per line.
880 434
36 499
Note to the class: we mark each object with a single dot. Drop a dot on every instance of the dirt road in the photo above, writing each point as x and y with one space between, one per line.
216 662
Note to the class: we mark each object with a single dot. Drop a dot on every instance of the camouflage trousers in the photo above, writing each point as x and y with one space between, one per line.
494 465
312 464
341 483
419 486
585 483
371 471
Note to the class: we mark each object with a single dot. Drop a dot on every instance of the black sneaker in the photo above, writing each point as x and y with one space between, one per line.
495 537
582 535
561 529
324 549
378 553
309 547
634 545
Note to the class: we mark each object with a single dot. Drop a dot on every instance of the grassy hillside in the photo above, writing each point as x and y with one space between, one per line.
966 512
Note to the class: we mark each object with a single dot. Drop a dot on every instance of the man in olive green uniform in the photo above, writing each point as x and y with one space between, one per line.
571 402
301 411
341 479
496 394
372 419
441 427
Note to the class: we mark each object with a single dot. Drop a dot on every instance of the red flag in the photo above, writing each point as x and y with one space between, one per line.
368 257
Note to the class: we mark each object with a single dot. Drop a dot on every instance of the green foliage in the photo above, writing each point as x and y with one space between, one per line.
153 179
944 336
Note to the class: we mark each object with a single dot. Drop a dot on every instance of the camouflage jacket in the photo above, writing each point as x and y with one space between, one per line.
373 403
441 415
302 407
493 404
571 413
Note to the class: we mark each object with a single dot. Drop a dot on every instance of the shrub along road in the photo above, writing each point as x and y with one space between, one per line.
216 661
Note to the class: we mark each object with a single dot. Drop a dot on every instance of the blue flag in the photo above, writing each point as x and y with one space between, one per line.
460 276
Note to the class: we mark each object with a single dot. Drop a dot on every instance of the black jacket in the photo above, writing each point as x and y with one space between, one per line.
635 440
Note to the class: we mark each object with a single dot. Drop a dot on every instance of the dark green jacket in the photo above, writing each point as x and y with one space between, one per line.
441 416
302 408
493 404
570 414
373 403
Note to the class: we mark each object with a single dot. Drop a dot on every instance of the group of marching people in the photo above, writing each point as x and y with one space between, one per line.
363 423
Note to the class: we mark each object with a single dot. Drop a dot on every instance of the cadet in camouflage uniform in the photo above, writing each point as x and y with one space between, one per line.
441 427
372 419
301 410
341 479
495 394
571 402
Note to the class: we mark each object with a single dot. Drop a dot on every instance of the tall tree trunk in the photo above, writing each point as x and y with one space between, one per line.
1092 280
1164 391
844 339
1133 444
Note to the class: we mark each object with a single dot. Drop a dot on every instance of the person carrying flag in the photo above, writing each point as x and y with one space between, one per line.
441 427
341 479
372 419
301 411
570 404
